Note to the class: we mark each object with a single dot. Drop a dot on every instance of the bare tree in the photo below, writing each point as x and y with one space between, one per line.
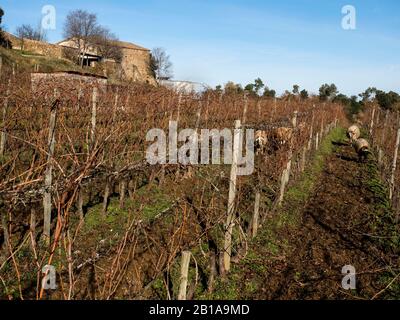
4 42
161 64
106 43
1 15
81 27
28 32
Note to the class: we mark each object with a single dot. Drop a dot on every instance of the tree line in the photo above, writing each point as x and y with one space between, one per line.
259 89
327 92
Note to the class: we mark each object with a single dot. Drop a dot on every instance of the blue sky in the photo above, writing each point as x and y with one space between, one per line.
283 42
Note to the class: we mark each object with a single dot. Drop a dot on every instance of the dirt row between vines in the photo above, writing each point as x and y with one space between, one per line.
343 221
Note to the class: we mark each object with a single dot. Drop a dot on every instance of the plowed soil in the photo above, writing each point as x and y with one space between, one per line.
335 228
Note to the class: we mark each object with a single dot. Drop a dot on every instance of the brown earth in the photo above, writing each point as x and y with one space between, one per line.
338 225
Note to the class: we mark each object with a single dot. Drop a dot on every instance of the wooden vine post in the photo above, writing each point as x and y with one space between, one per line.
394 165
371 126
380 154
321 135
80 94
273 113
6 234
48 181
207 109
177 174
246 105
122 191
179 107
3 121
80 204
32 227
254 228
127 100
107 192
116 101
195 136
198 116
92 141
286 172
94 115
311 132
303 159
283 185
378 114
227 253
184 275
294 119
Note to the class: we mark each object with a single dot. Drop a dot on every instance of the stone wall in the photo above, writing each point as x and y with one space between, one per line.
37 47
135 65
56 79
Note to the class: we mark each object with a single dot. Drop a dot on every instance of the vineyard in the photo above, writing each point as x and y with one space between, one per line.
77 193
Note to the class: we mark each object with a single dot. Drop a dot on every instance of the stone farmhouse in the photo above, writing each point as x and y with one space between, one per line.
135 59
134 65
